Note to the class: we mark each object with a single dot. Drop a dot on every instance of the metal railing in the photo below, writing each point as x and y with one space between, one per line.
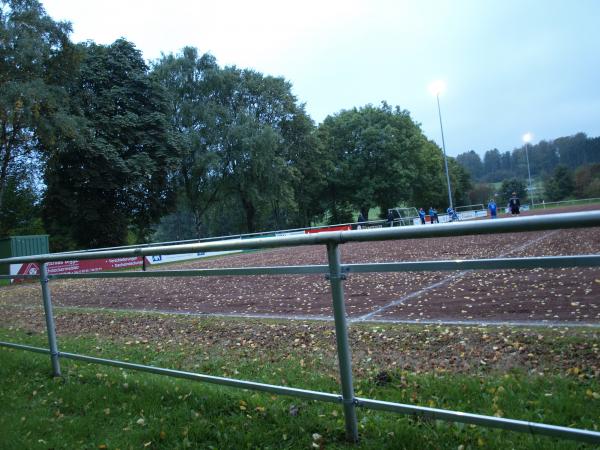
377 223
336 272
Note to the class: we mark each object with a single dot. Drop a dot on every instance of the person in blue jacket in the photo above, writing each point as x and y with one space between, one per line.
422 215
452 216
433 216
493 209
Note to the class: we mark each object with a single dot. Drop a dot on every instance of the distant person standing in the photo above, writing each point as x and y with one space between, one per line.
422 216
361 220
514 204
493 209
433 215
452 216
390 219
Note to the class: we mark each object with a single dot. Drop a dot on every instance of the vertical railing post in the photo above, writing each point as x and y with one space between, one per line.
341 334
50 328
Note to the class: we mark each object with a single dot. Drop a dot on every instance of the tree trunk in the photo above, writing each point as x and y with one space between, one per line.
4 173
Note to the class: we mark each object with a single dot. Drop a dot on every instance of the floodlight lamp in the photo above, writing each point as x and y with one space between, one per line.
527 137
437 87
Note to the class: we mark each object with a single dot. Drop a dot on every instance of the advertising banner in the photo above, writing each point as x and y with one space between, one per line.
83 266
335 228
162 259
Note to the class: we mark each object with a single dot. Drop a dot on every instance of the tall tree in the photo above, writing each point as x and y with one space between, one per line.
262 146
560 185
492 165
471 162
461 182
587 181
543 158
193 84
575 151
248 144
481 193
115 174
513 185
430 185
380 158
36 59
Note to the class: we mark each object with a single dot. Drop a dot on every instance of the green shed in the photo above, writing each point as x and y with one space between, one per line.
22 246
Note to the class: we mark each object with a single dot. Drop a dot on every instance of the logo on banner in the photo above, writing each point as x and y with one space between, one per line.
29 269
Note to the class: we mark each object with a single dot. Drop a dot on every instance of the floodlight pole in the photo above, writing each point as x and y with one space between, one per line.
529 174
437 96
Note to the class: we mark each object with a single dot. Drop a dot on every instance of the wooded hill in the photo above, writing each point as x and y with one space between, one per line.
566 167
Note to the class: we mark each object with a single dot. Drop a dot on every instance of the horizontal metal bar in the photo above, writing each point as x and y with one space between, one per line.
286 270
410 266
420 411
481 264
488 421
274 389
25 347
509 225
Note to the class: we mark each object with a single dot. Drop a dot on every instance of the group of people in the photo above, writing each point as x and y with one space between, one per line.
514 206
433 215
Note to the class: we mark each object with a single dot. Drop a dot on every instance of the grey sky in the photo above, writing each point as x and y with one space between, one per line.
510 66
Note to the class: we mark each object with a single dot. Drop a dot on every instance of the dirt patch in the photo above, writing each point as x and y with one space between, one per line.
426 348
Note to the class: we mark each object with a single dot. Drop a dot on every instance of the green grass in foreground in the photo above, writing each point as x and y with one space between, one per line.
96 407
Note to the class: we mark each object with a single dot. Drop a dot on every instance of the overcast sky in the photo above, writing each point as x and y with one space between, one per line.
510 66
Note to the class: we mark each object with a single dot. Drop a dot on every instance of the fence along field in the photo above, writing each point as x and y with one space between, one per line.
545 296
337 272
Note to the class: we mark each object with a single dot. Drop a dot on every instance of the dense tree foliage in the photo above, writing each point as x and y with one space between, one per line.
587 181
472 163
482 193
113 176
192 84
382 159
266 132
248 146
560 185
571 151
513 185
36 59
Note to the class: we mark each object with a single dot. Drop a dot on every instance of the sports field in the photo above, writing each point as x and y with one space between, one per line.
557 296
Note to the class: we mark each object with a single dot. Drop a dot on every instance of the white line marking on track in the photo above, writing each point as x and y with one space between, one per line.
444 281
367 318
477 323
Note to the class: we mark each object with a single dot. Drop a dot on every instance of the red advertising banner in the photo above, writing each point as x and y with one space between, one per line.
83 266
336 228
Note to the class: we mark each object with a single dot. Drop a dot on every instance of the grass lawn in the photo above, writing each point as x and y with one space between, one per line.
97 407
